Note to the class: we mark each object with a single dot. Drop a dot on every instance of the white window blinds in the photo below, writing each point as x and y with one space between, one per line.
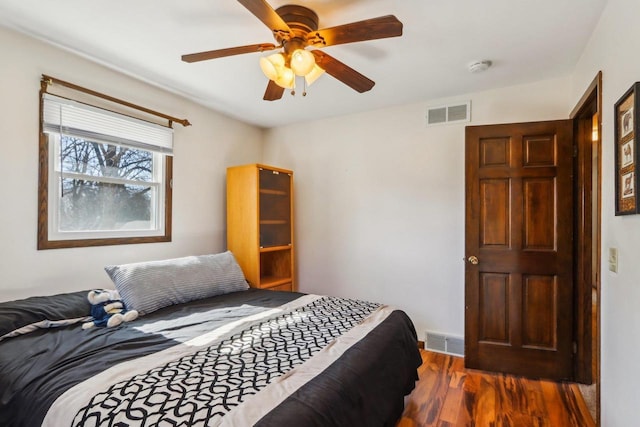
73 118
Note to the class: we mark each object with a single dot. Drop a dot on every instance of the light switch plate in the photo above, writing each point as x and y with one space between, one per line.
613 259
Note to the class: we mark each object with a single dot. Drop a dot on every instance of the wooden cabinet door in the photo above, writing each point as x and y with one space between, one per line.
519 268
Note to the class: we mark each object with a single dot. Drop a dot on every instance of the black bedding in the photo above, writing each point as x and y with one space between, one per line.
246 358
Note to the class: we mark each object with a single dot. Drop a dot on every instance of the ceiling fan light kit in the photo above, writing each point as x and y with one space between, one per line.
295 28
302 63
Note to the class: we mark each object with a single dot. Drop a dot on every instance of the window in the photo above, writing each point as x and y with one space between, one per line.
104 177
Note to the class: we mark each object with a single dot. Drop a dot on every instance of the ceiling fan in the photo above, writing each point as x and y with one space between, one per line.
295 28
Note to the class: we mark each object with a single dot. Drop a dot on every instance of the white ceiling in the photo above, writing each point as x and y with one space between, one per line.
527 40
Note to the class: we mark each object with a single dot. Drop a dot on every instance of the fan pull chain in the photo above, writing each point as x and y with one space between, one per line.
304 88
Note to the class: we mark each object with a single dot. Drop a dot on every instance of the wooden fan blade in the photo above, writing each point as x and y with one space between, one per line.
264 12
273 92
370 29
342 72
212 54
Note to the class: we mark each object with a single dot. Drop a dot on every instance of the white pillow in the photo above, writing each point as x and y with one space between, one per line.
149 286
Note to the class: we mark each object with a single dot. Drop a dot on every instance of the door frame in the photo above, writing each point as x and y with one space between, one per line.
587 231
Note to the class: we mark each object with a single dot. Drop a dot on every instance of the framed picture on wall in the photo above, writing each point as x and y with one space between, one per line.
626 156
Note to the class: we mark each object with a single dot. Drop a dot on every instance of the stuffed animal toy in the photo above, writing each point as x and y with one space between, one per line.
107 309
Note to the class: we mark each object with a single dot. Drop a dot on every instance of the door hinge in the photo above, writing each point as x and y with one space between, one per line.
575 347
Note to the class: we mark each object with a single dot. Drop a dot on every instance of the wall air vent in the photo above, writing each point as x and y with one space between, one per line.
436 115
444 344
452 113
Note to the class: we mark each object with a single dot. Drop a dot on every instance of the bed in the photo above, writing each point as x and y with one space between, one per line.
238 358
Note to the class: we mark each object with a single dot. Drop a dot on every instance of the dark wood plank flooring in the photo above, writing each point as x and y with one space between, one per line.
449 395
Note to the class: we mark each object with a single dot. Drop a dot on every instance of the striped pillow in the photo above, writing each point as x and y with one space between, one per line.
149 286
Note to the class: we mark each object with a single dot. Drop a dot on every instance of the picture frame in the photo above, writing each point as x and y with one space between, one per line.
626 151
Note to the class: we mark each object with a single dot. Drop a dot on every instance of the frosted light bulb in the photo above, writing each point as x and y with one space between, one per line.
286 78
272 65
313 75
302 62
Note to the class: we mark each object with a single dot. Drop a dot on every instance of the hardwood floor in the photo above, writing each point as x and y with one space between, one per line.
449 395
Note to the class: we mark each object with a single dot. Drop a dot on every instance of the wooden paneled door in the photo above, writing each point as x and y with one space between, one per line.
519 268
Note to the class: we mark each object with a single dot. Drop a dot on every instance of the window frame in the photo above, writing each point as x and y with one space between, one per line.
46 241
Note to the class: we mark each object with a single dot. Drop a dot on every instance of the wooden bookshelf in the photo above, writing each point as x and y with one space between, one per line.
260 224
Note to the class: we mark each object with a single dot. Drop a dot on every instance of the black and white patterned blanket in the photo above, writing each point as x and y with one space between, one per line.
198 389
248 358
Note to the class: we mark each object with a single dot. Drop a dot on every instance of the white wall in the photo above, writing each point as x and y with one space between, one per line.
380 200
202 153
614 48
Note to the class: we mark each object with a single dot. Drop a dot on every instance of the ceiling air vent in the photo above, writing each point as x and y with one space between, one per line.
453 113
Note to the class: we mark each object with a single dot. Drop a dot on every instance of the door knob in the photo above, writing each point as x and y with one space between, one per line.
473 260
